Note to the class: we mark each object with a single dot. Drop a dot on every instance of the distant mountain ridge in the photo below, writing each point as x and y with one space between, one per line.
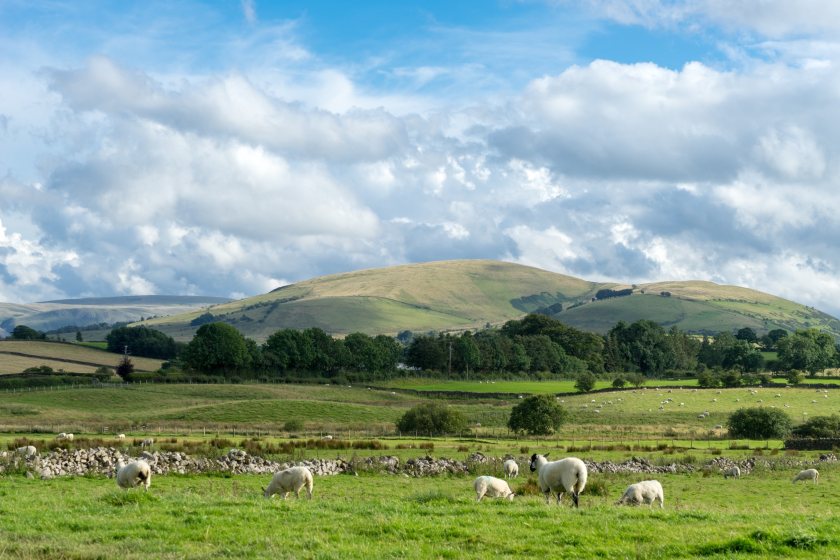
52 315
467 294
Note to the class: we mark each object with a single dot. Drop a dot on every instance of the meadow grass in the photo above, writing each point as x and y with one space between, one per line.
761 515
65 355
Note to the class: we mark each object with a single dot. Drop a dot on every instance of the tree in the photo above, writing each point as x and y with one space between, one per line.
619 382
22 332
79 336
819 427
747 335
537 415
807 349
585 382
759 423
217 348
125 368
432 419
142 341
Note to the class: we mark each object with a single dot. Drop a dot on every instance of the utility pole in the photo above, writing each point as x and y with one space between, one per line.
449 371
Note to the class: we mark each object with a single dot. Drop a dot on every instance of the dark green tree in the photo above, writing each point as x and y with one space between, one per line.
217 349
808 349
432 419
819 427
585 382
142 341
22 332
537 415
747 335
759 423
125 368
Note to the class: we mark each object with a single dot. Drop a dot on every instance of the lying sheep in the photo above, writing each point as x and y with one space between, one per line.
511 468
644 492
27 451
565 475
807 474
290 480
134 474
734 472
493 487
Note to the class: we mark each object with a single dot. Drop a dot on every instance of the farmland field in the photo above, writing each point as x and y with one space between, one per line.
385 516
17 354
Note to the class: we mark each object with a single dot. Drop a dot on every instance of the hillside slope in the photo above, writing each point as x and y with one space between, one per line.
454 295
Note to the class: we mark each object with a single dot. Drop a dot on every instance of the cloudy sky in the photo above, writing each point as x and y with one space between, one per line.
226 148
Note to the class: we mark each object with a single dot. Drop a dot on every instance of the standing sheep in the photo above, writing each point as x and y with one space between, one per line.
565 475
646 491
493 487
734 472
134 474
120 437
807 474
27 451
511 468
290 480
148 442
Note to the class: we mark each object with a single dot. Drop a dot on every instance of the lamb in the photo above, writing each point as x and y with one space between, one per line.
733 472
511 468
134 474
290 480
565 475
27 451
493 487
807 474
646 491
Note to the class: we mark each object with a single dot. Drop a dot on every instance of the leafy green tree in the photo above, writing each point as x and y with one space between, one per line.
537 415
466 355
125 368
432 419
79 336
22 332
808 349
619 382
747 335
772 338
641 346
794 377
282 350
585 382
142 341
819 427
217 349
759 423
428 353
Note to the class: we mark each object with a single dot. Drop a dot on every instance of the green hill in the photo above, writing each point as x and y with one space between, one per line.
456 295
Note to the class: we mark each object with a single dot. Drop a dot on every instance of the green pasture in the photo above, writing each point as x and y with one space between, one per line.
761 515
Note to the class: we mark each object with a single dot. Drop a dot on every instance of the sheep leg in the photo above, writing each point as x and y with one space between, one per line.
575 498
547 497
559 497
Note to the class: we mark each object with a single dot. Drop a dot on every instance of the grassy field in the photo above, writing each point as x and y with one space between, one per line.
383 516
16 355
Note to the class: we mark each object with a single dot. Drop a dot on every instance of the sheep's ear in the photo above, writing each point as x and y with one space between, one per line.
545 455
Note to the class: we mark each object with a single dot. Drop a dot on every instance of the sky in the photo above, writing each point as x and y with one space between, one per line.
228 148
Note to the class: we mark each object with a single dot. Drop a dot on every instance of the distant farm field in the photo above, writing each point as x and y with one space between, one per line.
761 515
17 355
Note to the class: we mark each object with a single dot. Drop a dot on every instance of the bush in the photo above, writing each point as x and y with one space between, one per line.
294 425
759 423
619 382
819 427
431 419
585 382
537 415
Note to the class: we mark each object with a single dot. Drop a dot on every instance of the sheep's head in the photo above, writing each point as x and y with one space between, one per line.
510 496
537 460
265 492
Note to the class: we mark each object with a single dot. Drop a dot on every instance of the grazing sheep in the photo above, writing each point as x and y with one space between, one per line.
807 474
511 468
644 492
565 475
493 487
62 435
290 480
733 472
27 451
134 474
121 436
148 442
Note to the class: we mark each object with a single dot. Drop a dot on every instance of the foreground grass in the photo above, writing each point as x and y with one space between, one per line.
384 516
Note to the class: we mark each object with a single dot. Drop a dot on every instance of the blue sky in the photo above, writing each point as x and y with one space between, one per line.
226 148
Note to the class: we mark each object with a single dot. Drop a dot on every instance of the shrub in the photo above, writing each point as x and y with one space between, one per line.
585 382
294 425
432 419
619 382
759 423
537 415
819 427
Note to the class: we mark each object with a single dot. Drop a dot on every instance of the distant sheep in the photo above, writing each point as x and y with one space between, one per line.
64 436
733 472
290 480
134 474
27 451
511 468
120 436
148 442
644 492
558 477
807 474
492 487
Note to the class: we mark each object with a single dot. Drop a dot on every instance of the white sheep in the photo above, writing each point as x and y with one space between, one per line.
644 492
733 472
493 487
68 437
120 436
511 468
290 480
558 477
134 474
148 442
27 451
807 474
62 435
